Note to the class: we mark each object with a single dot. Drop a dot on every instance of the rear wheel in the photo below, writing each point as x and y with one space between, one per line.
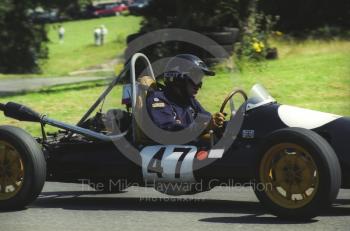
298 174
22 168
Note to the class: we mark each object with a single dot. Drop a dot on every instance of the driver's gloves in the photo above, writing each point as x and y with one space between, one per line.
217 120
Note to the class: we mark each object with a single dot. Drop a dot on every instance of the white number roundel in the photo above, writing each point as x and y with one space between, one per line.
168 163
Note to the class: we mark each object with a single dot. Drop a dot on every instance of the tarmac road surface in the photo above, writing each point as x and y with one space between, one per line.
78 207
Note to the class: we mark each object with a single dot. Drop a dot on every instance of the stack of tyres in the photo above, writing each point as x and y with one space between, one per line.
212 54
225 45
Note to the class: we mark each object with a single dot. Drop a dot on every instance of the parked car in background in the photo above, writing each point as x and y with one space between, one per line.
138 6
46 16
102 10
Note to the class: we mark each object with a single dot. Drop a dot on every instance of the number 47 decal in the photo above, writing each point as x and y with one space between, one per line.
154 165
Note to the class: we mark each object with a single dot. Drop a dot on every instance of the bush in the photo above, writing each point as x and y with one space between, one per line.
256 29
22 42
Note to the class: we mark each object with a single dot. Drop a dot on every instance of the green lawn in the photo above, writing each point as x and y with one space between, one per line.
78 50
311 74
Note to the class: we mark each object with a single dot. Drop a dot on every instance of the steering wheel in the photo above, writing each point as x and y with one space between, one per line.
229 98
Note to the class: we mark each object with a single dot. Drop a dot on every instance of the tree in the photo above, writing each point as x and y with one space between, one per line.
302 15
204 15
24 43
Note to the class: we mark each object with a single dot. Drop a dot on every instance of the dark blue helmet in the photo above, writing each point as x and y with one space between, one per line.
185 66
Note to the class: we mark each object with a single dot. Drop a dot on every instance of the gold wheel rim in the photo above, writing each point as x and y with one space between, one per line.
11 171
290 175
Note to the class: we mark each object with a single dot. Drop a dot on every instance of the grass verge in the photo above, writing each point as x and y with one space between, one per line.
78 50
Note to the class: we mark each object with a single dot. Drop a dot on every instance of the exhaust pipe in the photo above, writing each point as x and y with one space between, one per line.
23 113
20 112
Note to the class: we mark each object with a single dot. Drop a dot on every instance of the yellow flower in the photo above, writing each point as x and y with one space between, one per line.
257 47
278 33
261 44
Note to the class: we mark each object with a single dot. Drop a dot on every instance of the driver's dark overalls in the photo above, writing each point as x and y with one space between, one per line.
170 113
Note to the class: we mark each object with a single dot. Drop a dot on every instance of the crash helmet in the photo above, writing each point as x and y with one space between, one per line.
186 67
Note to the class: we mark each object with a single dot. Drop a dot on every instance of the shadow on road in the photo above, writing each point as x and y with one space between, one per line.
82 201
253 219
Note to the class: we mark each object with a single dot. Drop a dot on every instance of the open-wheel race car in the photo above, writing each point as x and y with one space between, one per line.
295 159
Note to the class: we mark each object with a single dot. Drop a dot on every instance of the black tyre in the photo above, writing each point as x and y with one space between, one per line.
22 168
298 174
234 31
223 38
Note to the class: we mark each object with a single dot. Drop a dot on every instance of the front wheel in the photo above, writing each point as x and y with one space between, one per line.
297 175
22 168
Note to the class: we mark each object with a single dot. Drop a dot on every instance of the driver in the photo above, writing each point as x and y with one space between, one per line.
175 107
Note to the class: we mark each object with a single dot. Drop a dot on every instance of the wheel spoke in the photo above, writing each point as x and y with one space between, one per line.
2 154
288 195
286 159
273 164
13 182
313 183
289 192
304 195
310 165
3 185
15 166
17 173
2 179
306 162
277 182
295 160
14 158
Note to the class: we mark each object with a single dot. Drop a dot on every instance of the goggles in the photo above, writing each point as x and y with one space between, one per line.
194 75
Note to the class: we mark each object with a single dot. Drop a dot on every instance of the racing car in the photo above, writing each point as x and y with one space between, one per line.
295 159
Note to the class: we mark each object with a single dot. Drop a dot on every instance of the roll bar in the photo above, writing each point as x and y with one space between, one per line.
130 65
134 58
149 68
